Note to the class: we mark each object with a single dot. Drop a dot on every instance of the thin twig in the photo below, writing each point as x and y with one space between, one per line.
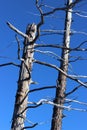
76 101
18 46
80 13
50 53
78 58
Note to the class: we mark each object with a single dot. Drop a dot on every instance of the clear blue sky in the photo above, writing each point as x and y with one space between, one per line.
20 13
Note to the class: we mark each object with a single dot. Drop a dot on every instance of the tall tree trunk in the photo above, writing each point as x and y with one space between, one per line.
24 81
61 82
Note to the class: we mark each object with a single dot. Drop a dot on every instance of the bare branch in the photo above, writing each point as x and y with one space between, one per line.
37 89
27 127
58 69
78 32
78 76
16 30
60 46
43 88
76 101
51 45
18 46
50 53
34 106
72 91
51 31
62 8
81 44
41 20
65 107
45 101
78 58
10 63
80 13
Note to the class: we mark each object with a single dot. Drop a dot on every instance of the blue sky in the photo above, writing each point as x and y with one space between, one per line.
20 13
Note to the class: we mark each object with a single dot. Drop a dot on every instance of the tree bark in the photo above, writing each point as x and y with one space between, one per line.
24 81
61 81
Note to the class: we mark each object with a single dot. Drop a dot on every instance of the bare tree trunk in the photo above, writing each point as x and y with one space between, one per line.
24 81
61 82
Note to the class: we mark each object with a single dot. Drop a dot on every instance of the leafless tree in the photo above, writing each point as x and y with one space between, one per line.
33 33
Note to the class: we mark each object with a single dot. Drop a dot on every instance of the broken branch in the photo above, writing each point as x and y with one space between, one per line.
16 30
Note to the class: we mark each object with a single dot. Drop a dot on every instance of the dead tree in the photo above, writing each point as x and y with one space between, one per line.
32 34
61 82
24 81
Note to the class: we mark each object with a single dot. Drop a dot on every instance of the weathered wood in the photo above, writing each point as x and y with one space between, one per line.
61 82
24 81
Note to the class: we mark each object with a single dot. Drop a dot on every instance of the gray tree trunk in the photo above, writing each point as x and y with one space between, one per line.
24 81
61 82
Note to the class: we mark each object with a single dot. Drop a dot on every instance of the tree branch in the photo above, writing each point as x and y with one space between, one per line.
17 31
62 47
78 58
34 106
72 91
51 31
62 8
50 53
18 52
43 88
51 45
58 69
41 20
45 101
76 101
10 63
27 127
